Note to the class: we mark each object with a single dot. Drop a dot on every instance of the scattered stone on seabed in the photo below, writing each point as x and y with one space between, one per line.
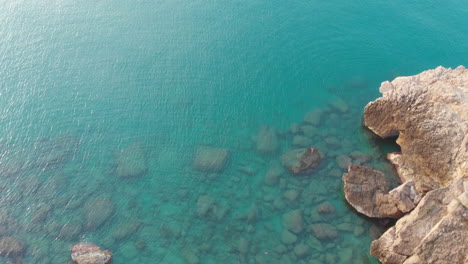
41 213
292 221
90 253
287 237
324 231
98 211
367 191
302 250
343 161
301 141
291 195
360 158
434 232
131 161
125 230
55 151
326 208
70 231
301 161
190 256
273 174
267 140
313 117
210 159
310 131
340 105
295 128
10 246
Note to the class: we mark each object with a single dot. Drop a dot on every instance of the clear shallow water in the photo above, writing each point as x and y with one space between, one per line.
82 80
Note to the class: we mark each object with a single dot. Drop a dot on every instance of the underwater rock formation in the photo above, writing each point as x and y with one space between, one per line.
131 161
209 159
90 253
11 246
98 211
267 140
429 113
300 161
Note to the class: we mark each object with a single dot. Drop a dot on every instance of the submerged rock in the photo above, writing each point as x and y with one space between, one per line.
131 161
267 140
10 246
429 114
90 253
293 221
209 159
324 231
367 191
300 161
98 211
313 117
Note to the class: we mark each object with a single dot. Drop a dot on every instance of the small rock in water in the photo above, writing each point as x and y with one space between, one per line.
70 231
293 221
98 211
313 117
288 238
291 195
301 141
340 105
125 230
343 162
301 160
324 231
310 131
90 253
273 174
267 140
131 161
295 128
10 246
326 208
209 159
302 250
190 256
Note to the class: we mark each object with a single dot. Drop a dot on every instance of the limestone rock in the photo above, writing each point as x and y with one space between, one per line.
267 140
131 161
434 232
10 246
209 159
429 114
90 253
300 161
98 211
367 191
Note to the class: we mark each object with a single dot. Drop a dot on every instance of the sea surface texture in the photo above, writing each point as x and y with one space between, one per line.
155 129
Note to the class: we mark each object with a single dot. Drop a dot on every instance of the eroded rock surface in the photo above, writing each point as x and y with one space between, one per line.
429 113
367 191
90 253
435 232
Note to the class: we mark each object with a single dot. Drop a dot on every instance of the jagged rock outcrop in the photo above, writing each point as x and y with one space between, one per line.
435 232
367 191
429 113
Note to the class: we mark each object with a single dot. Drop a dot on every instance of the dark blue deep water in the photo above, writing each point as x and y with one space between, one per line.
93 91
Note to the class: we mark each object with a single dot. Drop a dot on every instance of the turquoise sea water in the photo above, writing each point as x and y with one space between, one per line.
82 80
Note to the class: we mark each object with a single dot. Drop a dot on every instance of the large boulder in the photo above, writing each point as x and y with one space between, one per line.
435 232
209 159
90 253
367 191
302 160
98 211
10 246
428 113
131 161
